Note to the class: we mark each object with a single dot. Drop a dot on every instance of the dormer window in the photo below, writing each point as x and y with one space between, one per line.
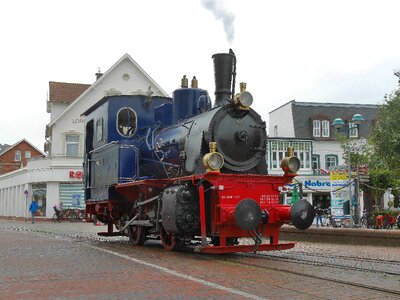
321 128
316 128
325 128
353 130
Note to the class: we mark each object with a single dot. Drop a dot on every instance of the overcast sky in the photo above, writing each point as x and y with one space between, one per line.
325 51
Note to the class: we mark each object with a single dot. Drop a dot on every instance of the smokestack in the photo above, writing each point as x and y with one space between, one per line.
224 73
98 74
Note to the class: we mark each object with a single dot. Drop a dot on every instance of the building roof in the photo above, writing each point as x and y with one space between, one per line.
100 81
305 112
19 142
62 92
3 147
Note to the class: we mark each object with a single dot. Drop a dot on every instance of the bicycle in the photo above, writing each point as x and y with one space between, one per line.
58 219
366 221
69 214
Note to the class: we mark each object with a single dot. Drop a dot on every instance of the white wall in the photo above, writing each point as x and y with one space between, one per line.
323 148
283 118
50 171
57 109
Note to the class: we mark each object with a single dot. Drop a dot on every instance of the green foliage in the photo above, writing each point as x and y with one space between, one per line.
385 137
381 178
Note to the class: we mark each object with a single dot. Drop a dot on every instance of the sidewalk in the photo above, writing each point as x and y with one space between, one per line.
52 227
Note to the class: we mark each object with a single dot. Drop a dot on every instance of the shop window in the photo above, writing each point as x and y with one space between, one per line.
72 195
17 155
126 122
27 154
72 145
39 192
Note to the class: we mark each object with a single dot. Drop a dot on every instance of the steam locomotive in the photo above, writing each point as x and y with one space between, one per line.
189 174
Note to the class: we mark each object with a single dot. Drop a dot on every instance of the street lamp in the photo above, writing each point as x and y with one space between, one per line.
347 128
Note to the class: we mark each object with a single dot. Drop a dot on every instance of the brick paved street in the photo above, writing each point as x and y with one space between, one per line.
68 261
37 266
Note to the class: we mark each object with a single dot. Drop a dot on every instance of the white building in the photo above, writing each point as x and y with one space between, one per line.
307 126
58 177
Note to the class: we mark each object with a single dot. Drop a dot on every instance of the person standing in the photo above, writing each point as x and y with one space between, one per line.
33 208
318 212
58 209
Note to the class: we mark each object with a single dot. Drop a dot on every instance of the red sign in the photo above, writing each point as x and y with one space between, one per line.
75 174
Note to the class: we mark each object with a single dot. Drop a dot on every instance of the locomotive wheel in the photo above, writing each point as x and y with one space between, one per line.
137 235
169 241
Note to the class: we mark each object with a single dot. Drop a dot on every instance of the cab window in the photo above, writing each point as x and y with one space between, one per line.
126 122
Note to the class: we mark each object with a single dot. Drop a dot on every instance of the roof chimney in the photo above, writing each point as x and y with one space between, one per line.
98 74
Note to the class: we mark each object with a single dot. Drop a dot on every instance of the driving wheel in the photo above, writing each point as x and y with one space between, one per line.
137 235
169 241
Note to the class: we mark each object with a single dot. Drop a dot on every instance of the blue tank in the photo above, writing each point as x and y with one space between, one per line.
189 102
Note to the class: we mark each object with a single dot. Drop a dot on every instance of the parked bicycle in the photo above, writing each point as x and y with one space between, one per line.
69 214
366 221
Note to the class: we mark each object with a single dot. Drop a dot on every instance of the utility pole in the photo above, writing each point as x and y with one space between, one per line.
349 174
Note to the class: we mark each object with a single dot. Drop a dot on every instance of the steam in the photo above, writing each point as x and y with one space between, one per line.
220 13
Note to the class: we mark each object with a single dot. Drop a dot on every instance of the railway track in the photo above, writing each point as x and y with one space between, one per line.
385 267
330 262
325 276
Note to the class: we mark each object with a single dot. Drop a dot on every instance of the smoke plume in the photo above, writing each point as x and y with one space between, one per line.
220 13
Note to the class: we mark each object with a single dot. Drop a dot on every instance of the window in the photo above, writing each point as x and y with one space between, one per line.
27 154
17 155
99 130
126 122
325 128
353 130
72 144
330 161
315 162
302 150
278 151
317 128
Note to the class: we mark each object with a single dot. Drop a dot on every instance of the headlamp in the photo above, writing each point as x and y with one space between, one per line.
213 161
244 99
290 164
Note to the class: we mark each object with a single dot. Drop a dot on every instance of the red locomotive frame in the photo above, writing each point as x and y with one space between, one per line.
219 195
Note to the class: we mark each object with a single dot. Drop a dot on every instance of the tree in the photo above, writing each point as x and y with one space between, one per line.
385 137
385 140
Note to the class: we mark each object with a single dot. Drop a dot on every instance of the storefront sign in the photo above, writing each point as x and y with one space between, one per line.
76 174
317 184
340 191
